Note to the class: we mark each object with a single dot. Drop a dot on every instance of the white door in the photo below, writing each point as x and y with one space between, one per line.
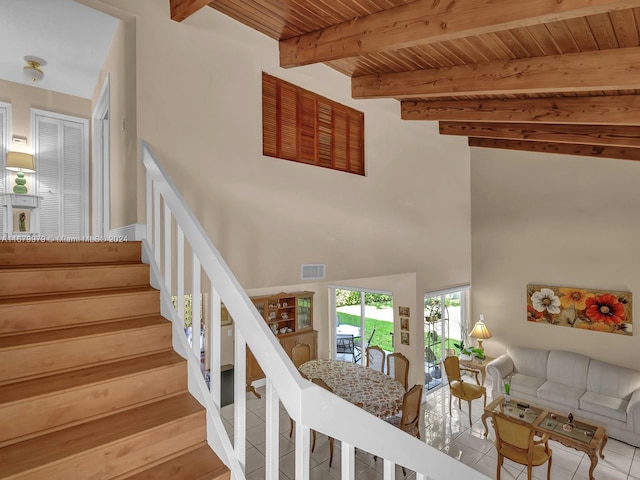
61 145
5 110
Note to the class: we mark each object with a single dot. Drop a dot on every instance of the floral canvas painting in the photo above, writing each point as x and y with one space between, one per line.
599 310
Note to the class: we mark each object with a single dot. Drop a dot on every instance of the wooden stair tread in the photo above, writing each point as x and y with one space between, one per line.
63 297
53 384
76 440
42 253
198 464
68 266
61 334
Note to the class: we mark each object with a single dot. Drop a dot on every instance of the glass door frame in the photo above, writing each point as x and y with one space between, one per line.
464 291
333 316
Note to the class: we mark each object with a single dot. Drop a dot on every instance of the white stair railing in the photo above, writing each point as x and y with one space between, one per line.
175 235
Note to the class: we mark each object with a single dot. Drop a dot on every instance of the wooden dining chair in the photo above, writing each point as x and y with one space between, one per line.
398 368
300 354
516 441
409 420
376 358
458 388
321 383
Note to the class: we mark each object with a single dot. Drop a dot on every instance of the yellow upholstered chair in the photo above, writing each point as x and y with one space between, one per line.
321 383
375 358
458 388
398 368
516 441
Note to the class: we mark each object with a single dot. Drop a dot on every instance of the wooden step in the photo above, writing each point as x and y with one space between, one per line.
48 253
197 464
33 354
48 403
27 281
109 446
59 310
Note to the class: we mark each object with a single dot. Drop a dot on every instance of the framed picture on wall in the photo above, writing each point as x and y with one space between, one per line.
21 220
404 323
404 338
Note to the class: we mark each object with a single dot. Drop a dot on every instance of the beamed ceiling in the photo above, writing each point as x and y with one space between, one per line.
554 76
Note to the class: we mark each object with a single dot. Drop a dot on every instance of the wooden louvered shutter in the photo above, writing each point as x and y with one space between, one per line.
308 120
302 126
269 116
325 134
288 105
356 144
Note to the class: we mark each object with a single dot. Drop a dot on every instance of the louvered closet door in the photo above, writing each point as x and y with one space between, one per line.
4 143
61 169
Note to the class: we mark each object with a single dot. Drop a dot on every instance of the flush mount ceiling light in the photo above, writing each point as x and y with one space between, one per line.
32 70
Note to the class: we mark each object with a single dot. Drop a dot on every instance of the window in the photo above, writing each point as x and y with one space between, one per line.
304 127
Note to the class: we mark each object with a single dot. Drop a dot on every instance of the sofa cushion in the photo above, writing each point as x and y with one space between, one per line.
568 368
605 405
612 380
561 394
525 384
530 362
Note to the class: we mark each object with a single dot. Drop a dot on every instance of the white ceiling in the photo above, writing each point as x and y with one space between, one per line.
71 37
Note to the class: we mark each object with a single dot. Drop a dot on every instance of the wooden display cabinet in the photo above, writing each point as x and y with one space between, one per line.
290 317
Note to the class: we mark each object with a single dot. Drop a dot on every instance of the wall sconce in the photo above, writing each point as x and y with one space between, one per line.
480 331
20 162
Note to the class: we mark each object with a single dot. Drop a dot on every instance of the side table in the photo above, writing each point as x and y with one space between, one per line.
17 203
478 365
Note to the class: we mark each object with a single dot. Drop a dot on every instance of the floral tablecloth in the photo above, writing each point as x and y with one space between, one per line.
375 392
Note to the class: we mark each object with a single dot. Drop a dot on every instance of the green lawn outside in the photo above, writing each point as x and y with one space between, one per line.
383 329
382 337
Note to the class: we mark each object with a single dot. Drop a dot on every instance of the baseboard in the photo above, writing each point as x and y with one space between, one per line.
136 231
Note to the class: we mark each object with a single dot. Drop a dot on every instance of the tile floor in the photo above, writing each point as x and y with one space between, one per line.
451 434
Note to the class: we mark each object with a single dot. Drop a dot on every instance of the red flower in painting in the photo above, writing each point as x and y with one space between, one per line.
606 309
532 314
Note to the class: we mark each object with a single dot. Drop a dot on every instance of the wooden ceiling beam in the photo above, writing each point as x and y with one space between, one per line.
182 9
427 21
602 135
614 69
611 110
559 148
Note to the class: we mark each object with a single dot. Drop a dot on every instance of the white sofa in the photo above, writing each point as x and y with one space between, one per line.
596 391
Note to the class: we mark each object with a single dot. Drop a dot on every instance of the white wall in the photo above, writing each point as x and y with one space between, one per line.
554 220
25 97
199 107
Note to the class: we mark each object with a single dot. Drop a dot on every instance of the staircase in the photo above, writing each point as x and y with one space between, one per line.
90 387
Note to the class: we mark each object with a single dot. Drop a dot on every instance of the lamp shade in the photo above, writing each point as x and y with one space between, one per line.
18 161
480 331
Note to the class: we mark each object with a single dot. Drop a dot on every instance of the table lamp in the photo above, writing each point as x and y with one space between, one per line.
480 331
20 162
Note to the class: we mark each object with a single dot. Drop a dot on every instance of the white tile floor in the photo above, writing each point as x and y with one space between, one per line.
451 434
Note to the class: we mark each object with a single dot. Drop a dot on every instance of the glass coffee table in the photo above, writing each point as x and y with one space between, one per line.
578 434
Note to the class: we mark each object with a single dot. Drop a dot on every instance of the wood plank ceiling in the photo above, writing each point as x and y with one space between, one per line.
555 76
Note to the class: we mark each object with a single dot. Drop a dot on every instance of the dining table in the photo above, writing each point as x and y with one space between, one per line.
372 390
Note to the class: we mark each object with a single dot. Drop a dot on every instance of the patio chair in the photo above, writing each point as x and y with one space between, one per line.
358 345
346 344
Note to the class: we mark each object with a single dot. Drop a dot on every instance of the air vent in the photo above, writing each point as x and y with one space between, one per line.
312 271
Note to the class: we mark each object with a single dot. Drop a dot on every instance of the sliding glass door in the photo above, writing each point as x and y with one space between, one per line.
444 328
361 318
